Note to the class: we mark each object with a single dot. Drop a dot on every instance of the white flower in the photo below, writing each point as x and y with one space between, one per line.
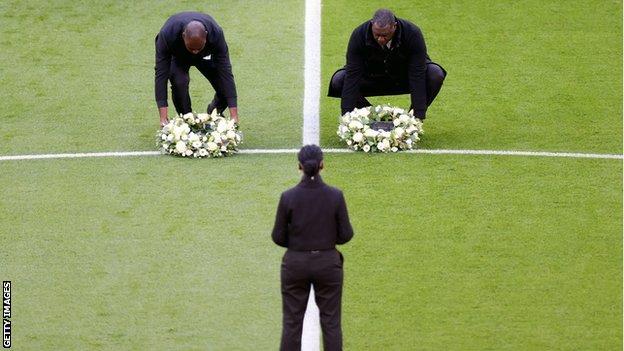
410 130
396 122
231 135
180 147
203 152
366 148
193 137
170 137
163 137
362 112
189 152
197 144
355 125
357 137
404 118
383 145
212 146
223 148
394 149
188 116
342 129
349 142
398 131
203 117
222 126
370 133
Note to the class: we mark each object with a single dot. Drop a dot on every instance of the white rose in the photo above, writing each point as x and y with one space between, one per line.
189 152
349 142
357 137
380 146
197 144
193 137
408 142
411 129
212 146
188 116
369 133
355 125
394 149
223 148
398 131
231 135
203 117
404 118
222 126
364 112
386 144
366 148
170 137
203 153
163 137
180 147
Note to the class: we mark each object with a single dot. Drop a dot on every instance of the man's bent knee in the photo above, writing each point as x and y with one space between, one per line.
336 84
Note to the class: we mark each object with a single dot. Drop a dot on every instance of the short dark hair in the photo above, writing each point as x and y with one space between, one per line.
383 18
310 157
195 29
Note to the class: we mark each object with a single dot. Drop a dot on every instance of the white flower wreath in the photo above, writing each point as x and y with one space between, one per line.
200 135
359 130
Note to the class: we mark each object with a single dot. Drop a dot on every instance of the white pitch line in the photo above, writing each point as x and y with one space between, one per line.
312 72
328 151
310 338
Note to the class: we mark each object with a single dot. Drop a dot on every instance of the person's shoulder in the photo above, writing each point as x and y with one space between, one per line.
333 190
361 29
408 28
288 193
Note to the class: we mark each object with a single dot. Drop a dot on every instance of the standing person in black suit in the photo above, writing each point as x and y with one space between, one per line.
193 39
387 56
311 220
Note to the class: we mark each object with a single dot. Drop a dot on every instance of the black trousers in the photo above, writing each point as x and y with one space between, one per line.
385 85
300 270
180 79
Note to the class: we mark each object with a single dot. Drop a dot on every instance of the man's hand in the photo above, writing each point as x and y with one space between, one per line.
164 120
234 114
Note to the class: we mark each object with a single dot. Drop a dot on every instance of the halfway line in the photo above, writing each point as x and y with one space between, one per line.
330 151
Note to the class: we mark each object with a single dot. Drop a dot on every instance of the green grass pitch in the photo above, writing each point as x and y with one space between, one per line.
451 252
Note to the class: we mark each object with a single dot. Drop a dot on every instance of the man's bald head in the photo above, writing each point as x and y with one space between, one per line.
194 36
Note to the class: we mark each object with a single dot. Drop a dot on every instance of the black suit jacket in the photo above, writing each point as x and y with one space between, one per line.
169 43
406 61
312 216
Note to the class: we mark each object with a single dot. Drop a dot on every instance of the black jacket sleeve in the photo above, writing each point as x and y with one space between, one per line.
416 73
280 229
354 70
163 65
345 231
225 77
